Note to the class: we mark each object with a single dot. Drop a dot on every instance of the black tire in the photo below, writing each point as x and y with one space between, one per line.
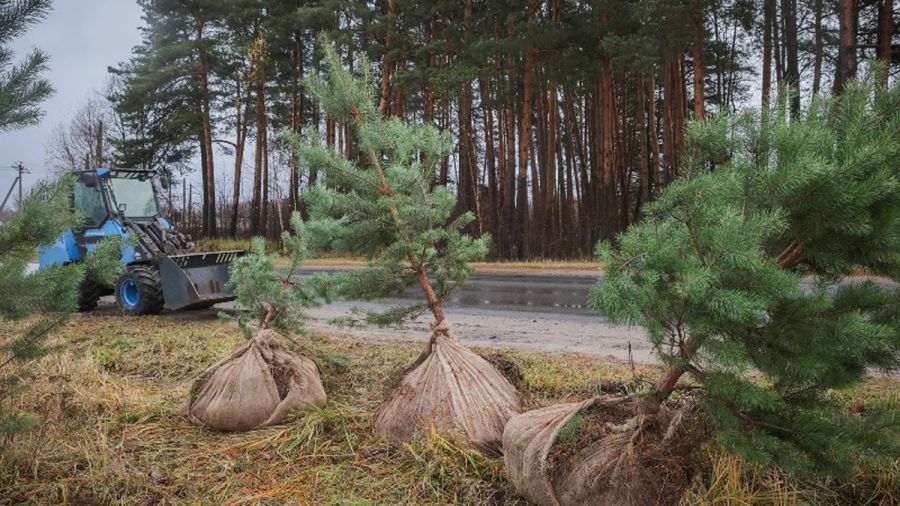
88 295
139 291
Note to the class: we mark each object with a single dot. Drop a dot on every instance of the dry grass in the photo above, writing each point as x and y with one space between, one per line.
227 243
732 481
115 430
541 265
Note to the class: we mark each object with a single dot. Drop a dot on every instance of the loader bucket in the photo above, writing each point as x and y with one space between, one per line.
197 279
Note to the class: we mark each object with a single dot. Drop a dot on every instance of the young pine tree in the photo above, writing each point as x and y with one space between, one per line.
43 299
267 296
385 206
738 273
263 380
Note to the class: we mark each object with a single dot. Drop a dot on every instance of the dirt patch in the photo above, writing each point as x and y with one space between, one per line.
507 367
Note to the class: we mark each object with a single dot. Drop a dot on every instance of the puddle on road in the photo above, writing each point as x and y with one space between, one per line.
536 297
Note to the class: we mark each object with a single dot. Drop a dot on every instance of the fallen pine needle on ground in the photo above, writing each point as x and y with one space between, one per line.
113 403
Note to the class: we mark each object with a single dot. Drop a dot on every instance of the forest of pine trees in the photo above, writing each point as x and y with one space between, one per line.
566 116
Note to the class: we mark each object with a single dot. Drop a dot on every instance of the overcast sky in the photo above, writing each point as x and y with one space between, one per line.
83 38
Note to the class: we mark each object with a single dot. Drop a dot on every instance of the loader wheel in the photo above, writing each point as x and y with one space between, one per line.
88 294
139 291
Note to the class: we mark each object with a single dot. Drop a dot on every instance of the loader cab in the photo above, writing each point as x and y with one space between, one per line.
104 193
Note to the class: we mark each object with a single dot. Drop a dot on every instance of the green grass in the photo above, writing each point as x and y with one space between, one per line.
115 432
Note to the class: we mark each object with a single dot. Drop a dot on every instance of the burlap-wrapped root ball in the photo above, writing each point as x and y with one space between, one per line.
256 386
452 390
576 453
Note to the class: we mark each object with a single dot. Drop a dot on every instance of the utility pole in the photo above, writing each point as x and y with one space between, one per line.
183 219
190 204
20 168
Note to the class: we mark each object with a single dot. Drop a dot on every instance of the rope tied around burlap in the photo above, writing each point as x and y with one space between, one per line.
442 328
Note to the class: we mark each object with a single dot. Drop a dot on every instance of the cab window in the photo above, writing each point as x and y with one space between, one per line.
89 204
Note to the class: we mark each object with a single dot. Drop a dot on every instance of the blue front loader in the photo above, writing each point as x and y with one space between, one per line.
160 269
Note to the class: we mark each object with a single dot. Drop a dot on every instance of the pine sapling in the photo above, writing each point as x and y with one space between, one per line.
46 298
382 203
269 297
715 274
262 380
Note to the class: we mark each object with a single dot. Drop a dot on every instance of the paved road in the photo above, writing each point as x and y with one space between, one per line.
541 292
529 310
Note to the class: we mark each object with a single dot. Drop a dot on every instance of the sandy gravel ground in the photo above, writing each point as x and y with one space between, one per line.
558 332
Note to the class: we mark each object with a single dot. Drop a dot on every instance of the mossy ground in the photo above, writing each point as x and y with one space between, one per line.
113 401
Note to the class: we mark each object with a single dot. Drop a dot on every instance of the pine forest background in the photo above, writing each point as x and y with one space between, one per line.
566 116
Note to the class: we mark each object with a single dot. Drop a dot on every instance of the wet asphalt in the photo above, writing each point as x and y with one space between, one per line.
539 311
528 292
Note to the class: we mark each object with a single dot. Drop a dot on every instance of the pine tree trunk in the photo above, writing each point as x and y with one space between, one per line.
296 120
668 105
492 213
444 176
257 222
776 45
508 171
539 168
512 218
654 135
241 112
681 110
768 15
569 213
608 133
467 183
818 48
792 70
641 120
846 68
699 93
525 134
383 103
209 186
625 152
580 166
329 132
427 92
551 204
397 93
264 207
720 68
503 175
608 119
468 170
885 34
